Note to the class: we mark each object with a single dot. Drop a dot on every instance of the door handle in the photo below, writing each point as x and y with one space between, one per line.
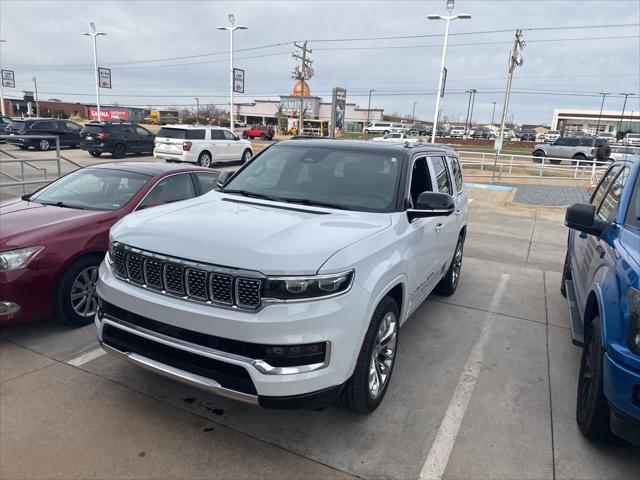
438 227
583 235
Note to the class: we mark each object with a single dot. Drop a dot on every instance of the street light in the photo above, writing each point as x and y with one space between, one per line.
624 105
1 94
493 113
593 143
447 19
413 115
369 106
95 34
231 28
197 110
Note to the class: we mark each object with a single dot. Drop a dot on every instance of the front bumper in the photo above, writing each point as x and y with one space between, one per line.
26 294
622 389
338 321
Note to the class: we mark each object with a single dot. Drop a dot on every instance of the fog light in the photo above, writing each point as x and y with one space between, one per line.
9 308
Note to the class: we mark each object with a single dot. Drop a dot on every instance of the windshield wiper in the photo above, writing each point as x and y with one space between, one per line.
315 203
245 193
63 205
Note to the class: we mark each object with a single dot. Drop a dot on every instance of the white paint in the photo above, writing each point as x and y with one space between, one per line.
86 357
438 458
471 200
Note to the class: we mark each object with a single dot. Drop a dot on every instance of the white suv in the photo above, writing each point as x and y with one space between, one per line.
203 145
378 127
288 286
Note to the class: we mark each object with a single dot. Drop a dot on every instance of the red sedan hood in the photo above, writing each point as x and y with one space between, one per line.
25 223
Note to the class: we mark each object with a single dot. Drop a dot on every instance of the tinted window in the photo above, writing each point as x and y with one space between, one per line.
207 181
17 124
171 189
442 175
73 127
604 185
228 135
93 189
457 173
92 129
44 126
195 134
420 180
633 213
142 132
562 142
573 142
217 134
611 200
351 179
178 133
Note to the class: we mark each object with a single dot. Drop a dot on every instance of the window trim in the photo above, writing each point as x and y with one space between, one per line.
635 193
433 172
453 158
622 169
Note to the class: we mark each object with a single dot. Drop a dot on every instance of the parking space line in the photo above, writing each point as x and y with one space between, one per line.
438 457
86 357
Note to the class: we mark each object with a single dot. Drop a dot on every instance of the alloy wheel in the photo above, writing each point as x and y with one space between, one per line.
586 385
383 354
457 264
84 298
44 144
205 160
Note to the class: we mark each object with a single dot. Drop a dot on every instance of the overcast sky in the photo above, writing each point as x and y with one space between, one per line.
561 66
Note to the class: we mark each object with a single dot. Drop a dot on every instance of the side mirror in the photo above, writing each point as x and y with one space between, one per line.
432 204
224 177
582 217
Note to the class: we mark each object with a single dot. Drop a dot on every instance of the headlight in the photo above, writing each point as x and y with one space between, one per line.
633 300
299 288
20 258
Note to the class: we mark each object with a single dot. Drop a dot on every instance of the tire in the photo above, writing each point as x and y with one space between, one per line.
77 312
566 275
263 137
44 145
22 147
555 162
366 132
592 408
246 156
357 395
449 283
604 153
204 160
538 155
119 150
579 157
245 135
94 153
385 132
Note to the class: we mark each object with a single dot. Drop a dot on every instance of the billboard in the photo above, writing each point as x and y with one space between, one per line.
338 106
8 79
238 80
108 114
104 77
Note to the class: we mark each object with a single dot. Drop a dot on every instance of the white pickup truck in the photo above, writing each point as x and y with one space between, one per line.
287 287
396 137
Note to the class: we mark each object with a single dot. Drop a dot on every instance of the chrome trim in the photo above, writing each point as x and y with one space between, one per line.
180 375
260 365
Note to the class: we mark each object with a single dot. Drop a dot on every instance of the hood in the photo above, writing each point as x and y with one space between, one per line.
25 223
239 232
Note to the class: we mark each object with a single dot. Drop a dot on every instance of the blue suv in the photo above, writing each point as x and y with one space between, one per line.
601 280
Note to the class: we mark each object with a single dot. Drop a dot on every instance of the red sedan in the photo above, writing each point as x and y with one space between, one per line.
52 241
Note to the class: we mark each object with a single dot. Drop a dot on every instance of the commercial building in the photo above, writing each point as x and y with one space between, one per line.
572 120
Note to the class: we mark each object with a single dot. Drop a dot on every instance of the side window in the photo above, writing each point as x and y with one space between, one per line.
228 135
611 200
142 132
573 142
217 134
442 175
633 213
73 127
207 181
195 134
420 181
604 185
561 142
170 189
44 126
457 173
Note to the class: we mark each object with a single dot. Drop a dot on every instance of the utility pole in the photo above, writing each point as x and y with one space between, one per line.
466 121
413 113
624 105
197 110
231 29
473 104
1 94
515 60
94 34
302 74
35 86
369 106
493 113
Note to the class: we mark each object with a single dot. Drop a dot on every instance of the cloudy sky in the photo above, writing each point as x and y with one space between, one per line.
567 58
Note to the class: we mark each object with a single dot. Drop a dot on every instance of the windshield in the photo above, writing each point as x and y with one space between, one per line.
92 189
347 179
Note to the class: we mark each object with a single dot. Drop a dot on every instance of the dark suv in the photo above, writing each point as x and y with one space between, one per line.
67 131
484 133
117 138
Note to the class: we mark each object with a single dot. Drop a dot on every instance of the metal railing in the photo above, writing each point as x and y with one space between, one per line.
532 167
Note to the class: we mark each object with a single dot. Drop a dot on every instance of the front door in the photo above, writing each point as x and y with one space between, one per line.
234 147
220 145
145 138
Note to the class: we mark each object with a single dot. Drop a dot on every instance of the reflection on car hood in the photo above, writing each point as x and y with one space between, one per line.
234 231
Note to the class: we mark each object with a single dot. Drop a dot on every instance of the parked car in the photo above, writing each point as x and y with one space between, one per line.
581 149
608 136
631 139
377 127
507 134
68 133
316 253
551 136
4 122
576 134
528 136
395 137
54 239
202 145
623 152
263 132
601 280
484 133
456 132
116 138
440 131
417 129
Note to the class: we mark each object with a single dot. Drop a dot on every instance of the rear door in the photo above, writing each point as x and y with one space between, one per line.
72 132
145 138
446 228
131 139
557 148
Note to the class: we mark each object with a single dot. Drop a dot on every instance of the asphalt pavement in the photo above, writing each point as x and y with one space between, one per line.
484 387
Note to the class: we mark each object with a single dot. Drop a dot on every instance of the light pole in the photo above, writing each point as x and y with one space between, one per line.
493 113
2 94
447 19
624 105
231 28
94 35
197 110
413 114
369 107
593 143
35 85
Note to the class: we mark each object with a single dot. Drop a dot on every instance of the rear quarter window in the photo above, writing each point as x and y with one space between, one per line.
195 134
178 133
92 129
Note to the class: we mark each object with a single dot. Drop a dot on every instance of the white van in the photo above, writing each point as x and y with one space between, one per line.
377 127
200 144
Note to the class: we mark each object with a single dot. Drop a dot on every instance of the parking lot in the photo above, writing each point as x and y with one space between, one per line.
484 387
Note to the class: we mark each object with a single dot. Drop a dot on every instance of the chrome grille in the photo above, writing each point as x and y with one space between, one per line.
190 280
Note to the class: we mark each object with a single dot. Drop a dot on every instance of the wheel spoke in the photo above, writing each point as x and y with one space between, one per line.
76 296
81 303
